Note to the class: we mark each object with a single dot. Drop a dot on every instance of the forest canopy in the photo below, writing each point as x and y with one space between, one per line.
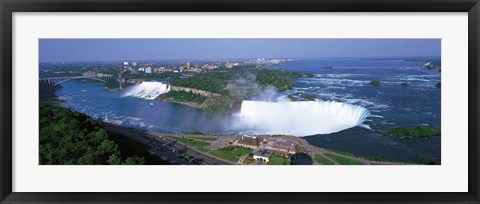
72 138
215 81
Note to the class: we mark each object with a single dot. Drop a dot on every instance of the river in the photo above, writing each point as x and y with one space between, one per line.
389 105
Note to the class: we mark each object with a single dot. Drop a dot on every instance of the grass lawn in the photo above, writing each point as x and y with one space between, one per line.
231 153
191 142
275 160
343 160
203 149
205 138
322 160
278 161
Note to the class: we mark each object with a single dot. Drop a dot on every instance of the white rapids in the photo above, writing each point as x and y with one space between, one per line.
299 118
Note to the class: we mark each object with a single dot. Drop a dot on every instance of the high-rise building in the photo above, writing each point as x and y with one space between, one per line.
188 65
148 70
134 63
125 63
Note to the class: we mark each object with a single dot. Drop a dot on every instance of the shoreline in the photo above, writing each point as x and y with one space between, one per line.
162 143
184 104
158 140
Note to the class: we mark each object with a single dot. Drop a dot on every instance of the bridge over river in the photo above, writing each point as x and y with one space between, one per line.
58 80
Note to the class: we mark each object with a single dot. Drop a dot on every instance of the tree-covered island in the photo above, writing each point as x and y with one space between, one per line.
221 91
418 131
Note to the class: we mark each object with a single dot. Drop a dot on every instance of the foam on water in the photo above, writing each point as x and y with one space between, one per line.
300 118
147 90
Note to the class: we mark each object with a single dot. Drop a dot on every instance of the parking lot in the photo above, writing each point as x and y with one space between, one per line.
177 153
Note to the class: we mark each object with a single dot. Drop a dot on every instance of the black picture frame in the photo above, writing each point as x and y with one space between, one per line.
9 6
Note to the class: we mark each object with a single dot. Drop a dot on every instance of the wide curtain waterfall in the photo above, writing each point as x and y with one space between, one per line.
147 90
300 118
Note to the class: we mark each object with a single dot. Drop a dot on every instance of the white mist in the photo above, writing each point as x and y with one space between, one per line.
147 90
300 118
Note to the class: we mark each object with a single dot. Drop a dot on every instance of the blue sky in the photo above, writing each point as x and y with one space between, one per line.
78 50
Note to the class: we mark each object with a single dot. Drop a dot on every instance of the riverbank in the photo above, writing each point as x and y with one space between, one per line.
47 93
392 105
220 91
129 143
212 149
211 103
162 146
71 138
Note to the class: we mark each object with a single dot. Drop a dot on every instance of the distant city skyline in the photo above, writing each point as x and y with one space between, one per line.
83 50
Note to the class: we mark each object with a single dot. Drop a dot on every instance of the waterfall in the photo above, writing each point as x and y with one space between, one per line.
300 118
147 90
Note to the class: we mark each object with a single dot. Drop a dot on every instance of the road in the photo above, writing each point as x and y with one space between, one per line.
166 148
207 159
172 151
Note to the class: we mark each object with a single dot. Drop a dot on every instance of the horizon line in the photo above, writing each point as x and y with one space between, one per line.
225 59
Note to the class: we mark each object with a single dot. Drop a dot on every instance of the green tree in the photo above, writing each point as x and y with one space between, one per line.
68 137
135 160
112 83
375 83
114 160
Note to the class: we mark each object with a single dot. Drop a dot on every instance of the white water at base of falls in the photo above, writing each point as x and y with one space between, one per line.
147 90
300 118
